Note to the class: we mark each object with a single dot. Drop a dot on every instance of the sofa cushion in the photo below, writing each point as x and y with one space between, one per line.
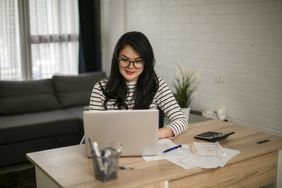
75 90
27 96
24 127
77 111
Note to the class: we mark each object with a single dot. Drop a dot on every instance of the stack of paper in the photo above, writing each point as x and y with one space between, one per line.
204 155
210 155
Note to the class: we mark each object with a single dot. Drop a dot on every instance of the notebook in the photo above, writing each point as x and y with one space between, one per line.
136 130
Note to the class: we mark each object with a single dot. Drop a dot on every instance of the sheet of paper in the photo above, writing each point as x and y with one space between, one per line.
180 161
228 154
210 161
208 149
163 145
188 159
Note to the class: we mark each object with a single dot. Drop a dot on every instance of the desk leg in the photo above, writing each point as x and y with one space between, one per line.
279 170
43 180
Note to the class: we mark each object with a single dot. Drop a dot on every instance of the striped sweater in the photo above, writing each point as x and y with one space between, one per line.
163 99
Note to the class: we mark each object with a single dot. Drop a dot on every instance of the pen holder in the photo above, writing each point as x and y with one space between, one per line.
106 166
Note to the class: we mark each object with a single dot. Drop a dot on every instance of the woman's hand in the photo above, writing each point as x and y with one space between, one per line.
165 132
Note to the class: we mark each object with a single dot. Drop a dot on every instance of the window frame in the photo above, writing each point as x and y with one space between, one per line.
25 45
26 39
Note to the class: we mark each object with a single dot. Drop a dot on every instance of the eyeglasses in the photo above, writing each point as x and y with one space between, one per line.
125 63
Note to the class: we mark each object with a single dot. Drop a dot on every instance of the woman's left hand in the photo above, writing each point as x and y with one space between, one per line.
165 132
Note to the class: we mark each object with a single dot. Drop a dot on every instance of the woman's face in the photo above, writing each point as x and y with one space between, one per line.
131 65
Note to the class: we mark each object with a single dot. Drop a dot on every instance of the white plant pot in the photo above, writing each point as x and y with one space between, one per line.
186 112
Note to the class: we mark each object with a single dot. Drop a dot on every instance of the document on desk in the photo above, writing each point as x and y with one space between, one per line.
211 155
163 145
175 156
204 155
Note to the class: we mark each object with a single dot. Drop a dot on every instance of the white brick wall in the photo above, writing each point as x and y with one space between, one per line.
239 39
113 25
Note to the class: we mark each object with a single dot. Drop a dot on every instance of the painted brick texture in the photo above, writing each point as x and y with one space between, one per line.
238 41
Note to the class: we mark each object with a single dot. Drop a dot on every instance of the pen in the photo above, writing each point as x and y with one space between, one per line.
173 148
97 156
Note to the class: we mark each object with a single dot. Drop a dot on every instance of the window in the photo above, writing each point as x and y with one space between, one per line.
10 63
46 30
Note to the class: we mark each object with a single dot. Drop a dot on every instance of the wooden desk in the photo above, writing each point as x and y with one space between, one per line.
256 165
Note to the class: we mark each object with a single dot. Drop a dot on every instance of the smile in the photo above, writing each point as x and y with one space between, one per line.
129 72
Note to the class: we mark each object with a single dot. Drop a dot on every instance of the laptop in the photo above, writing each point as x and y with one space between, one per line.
135 130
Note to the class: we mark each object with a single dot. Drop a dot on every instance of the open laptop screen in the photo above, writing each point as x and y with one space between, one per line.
136 130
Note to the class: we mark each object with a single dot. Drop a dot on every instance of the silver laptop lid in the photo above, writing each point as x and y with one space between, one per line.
136 130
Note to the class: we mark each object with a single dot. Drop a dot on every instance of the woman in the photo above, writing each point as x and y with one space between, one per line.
133 84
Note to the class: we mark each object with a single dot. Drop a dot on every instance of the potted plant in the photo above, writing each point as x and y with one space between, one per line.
185 84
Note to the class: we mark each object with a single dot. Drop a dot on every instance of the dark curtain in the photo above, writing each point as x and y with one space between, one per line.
89 36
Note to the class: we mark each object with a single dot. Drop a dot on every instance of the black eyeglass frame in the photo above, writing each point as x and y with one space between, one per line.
128 61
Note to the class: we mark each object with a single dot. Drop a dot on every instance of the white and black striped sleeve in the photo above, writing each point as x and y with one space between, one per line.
167 103
97 97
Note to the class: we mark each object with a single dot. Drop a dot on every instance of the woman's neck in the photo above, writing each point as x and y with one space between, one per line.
131 82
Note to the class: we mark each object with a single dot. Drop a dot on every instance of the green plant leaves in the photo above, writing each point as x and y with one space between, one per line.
185 84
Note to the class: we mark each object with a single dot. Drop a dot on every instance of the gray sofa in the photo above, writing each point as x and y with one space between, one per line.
42 114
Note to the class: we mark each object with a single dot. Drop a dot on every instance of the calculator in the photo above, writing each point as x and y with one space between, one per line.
213 136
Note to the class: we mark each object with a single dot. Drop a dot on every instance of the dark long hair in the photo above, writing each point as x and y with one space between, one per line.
147 83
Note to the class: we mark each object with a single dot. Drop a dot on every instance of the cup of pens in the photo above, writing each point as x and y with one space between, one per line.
105 162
